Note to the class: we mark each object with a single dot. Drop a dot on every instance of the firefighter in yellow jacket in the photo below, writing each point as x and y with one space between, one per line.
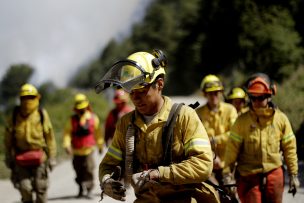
82 133
30 146
217 117
256 142
138 142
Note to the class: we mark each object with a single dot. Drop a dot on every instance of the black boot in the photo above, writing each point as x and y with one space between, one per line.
80 193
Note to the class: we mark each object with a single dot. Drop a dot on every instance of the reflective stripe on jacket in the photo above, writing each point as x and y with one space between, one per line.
191 151
218 124
256 143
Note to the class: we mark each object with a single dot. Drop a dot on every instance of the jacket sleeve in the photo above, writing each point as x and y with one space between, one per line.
198 162
223 138
67 136
98 133
49 135
289 147
233 146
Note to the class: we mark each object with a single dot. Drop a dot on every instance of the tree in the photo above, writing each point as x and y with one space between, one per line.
269 42
14 78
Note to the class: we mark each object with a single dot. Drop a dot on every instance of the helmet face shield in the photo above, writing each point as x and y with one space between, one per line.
127 74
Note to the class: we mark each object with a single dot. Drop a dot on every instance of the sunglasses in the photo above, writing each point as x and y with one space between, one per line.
258 98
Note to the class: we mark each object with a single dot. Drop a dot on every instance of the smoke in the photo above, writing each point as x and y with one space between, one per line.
57 37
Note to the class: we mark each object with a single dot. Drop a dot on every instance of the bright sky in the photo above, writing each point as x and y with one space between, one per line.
58 36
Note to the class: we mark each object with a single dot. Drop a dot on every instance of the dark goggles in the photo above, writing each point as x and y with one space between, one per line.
259 98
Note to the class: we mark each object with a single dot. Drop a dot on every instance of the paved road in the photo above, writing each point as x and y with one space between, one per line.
63 188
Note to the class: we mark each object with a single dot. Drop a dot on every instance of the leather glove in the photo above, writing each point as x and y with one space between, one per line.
294 184
228 179
52 163
229 184
112 187
142 180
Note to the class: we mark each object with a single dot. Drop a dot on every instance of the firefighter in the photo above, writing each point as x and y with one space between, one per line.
82 133
121 99
238 98
217 117
257 141
30 146
139 147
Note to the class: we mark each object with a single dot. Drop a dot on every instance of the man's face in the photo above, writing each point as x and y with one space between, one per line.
80 112
238 103
213 98
146 99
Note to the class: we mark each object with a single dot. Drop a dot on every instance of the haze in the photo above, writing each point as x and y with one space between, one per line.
57 37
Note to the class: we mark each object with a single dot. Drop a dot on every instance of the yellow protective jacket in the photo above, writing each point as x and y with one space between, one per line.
218 125
28 134
191 151
67 136
256 143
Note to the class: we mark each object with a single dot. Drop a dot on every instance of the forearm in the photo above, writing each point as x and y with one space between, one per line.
193 170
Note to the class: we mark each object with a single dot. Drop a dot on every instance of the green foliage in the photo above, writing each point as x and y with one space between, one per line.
269 40
11 82
290 99
291 96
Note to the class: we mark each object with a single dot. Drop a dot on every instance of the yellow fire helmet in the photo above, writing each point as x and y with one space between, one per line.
81 101
211 83
28 90
135 72
237 93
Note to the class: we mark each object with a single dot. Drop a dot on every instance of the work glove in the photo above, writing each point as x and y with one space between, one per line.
229 184
112 187
51 163
143 180
294 184
228 179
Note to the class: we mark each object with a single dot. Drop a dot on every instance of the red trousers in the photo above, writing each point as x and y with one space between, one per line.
260 188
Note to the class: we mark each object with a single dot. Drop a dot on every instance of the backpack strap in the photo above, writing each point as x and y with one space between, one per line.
167 135
40 110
